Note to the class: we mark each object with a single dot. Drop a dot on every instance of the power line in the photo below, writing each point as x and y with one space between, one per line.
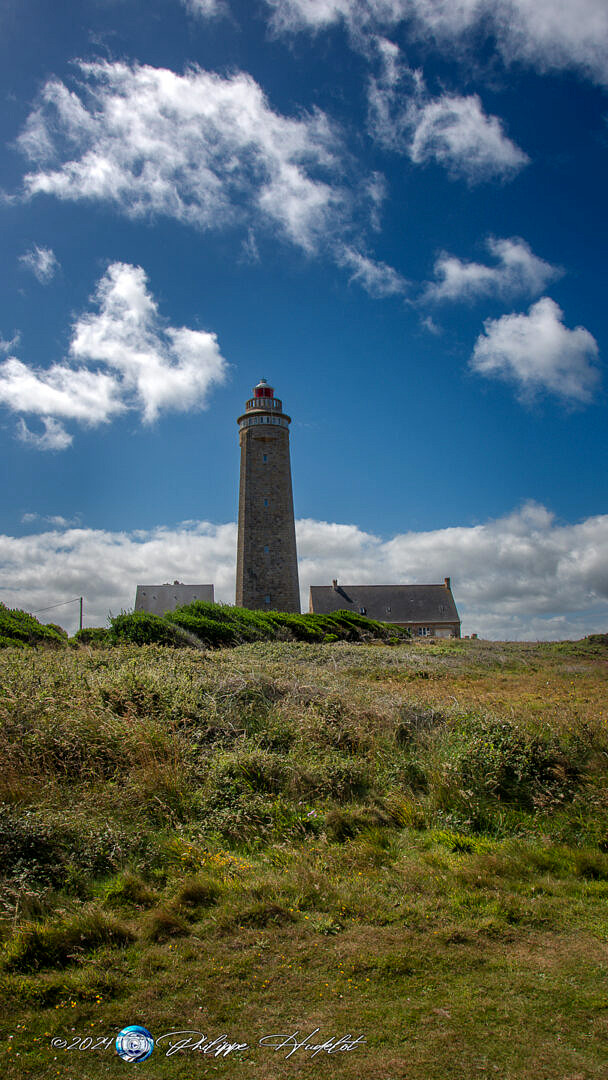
51 606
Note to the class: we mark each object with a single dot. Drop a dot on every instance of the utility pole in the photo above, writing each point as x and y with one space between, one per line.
81 604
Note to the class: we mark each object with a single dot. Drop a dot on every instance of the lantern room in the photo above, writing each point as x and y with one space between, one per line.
264 400
263 389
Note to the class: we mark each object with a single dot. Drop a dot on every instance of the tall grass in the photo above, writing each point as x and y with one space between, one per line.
397 831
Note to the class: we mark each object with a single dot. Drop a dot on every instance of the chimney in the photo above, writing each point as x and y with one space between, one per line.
334 584
446 582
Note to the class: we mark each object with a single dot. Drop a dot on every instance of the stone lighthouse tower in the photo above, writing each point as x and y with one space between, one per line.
266 564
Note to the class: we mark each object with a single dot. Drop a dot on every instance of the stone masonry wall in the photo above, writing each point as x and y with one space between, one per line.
261 573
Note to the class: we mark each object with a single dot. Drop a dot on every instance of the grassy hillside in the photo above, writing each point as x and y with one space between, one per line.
408 843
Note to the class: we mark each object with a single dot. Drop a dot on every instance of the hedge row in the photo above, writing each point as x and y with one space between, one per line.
221 624
210 625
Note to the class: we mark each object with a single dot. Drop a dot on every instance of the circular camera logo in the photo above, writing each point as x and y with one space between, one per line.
134 1043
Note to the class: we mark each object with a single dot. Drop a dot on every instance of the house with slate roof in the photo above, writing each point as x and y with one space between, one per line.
428 611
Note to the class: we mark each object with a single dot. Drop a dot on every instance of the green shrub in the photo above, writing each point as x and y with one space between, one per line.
262 771
143 628
459 843
265 913
9 642
129 889
20 628
200 891
500 759
93 635
39 846
213 632
164 922
485 774
55 944
591 865
343 825
333 777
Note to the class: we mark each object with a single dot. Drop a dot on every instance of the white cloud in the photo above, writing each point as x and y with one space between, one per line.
42 262
89 397
202 149
250 247
205 9
553 34
429 324
517 270
159 368
290 15
450 129
377 278
522 576
538 353
58 520
375 192
8 344
54 436
139 364
547 34
455 132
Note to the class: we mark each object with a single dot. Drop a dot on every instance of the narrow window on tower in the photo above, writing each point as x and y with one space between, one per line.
265 502
264 458
266 549
267 598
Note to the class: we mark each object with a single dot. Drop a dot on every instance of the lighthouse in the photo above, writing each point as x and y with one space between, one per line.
267 563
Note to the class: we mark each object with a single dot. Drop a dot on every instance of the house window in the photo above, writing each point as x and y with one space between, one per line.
266 549
388 610
264 458
363 611
267 598
424 631
265 502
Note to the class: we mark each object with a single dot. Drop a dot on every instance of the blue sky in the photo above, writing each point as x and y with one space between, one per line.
394 210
